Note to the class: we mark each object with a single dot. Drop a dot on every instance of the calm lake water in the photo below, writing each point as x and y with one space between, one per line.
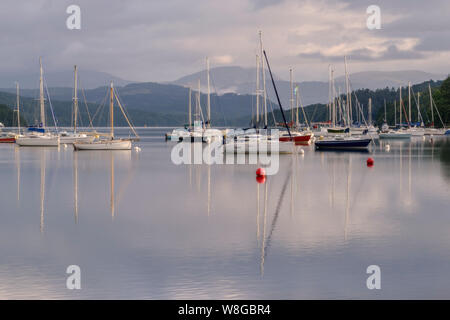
141 227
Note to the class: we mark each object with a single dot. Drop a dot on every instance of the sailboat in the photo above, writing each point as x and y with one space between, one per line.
396 134
112 143
414 130
210 134
71 137
346 141
299 137
432 130
178 134
332 103
258 141
39 137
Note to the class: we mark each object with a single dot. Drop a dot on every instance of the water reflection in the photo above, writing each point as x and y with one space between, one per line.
43 167
189 231
94 160
445 159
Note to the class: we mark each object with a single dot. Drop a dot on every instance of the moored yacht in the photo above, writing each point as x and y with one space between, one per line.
39 137
111 143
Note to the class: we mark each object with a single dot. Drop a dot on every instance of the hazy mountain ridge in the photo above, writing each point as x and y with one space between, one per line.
243 81
87 79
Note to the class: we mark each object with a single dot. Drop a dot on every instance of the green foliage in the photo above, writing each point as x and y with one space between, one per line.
8 117
442 103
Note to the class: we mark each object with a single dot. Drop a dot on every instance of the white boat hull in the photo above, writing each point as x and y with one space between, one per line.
71 140
434 131
104 145
394 135
38 141
416 132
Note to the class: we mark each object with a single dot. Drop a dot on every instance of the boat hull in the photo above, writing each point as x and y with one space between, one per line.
103 145
343 144
38 141
434 132
7 140
394 136
71 140
335 130
297 139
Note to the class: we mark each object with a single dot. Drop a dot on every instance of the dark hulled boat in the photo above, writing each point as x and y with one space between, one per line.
343 143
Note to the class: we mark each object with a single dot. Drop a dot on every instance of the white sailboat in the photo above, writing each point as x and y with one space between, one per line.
111 143
210 134
396 134
71 137
432 130
414 131
40 138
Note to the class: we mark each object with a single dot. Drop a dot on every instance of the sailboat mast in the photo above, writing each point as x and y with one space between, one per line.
111 110
431 106
18 106
385 119
349 97
409 102
198 103
190 109
257 89
395 112
209 94
333 116
401 105
292 95
75 99
329 94
339 118
418 107
263 79
370 111
41 94
296 102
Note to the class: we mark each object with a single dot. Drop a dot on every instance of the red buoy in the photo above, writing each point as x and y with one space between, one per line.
260 172
370 162
260 179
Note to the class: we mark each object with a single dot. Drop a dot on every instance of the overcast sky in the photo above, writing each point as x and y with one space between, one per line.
161 40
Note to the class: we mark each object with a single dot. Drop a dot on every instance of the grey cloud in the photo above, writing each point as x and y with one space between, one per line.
164 40
259 4
364 54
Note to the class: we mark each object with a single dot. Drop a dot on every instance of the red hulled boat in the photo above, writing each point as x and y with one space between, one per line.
297 137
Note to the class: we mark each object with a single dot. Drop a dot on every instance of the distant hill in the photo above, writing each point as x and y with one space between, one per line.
242 81
232 79
158 104
381 79
161 100
30 79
